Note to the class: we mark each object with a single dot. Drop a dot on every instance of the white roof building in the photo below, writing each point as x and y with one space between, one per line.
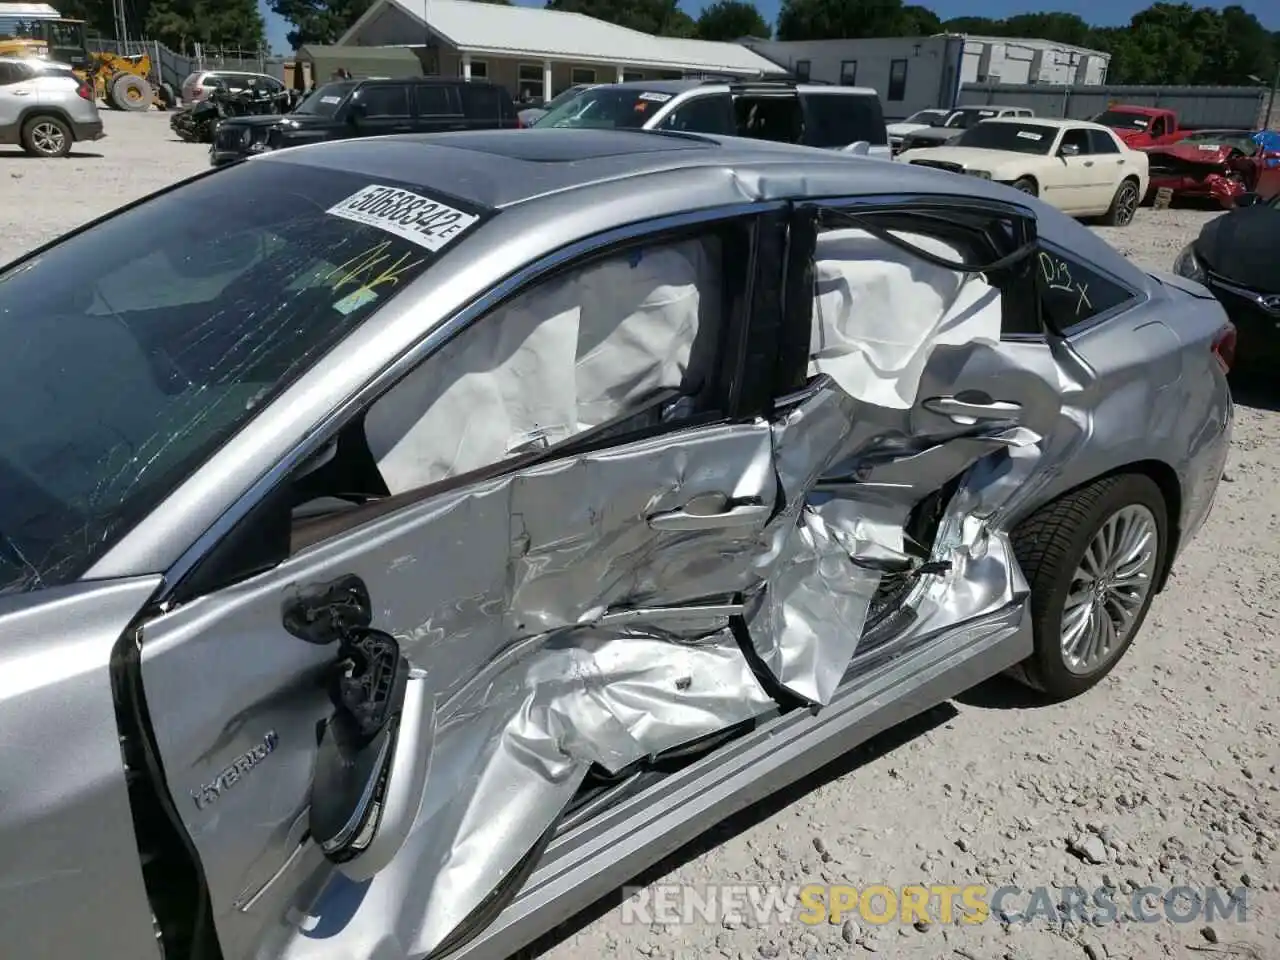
506 43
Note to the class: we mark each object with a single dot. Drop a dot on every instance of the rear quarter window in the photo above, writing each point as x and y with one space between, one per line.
1073 294
837 120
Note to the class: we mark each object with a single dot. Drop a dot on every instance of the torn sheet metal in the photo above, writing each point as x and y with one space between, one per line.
879 312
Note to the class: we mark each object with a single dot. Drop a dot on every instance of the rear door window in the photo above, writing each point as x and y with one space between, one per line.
769 117
385 100
434 100
481 102
711 113
837 120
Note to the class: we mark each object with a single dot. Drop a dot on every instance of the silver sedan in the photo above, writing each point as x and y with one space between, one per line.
405 540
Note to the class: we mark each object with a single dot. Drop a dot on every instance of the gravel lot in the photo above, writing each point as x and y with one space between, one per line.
1165 774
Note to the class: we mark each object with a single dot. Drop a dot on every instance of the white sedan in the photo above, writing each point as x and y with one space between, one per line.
1081 168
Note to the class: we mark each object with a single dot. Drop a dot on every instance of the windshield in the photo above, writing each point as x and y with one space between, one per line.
325 101
931 117
131 351
606 108
1120 118
1016 137
564 97
964 119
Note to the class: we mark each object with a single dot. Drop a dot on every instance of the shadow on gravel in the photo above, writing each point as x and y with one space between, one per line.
1258 392
1001 693
73 155
878 746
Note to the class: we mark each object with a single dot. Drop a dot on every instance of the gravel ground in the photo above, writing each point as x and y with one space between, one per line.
1164 775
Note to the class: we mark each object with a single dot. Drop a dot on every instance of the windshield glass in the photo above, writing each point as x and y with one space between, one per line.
606 108
131 351
1119 118
967 118
325 101
564 97
1016 137
930 117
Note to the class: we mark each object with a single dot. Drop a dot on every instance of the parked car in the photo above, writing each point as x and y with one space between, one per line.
957 122
917 121
1219 164
531 115
368 108
1142 126
202 83
1235 258
1079 167
839 118
420 535
44 107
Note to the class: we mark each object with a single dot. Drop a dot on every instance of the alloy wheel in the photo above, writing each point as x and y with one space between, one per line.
1126 204
48 138
1109 588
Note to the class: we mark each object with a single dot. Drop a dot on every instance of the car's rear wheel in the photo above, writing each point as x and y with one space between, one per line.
1026 185
1123 205
46 136
1091 559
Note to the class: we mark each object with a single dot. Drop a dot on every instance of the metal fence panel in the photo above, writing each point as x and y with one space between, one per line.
1195 106
174 67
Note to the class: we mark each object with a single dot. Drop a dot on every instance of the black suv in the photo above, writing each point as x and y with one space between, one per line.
369 108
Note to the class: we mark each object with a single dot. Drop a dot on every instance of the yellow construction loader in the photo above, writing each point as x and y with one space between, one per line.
121 82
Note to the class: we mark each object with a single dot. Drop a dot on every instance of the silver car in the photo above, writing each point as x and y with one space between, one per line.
406 540
45 108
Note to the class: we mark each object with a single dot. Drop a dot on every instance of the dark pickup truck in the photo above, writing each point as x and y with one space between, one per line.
368 108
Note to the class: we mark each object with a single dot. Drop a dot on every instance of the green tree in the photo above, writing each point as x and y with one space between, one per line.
179 24
318 21
924 22
730 19
659 17
843 19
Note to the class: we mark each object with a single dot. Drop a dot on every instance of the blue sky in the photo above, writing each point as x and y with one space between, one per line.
1103 13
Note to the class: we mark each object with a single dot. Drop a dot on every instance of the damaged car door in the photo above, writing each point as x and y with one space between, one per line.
923 397
368 742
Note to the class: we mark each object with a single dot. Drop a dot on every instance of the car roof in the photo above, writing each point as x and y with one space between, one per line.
1054 122
683 86
582 179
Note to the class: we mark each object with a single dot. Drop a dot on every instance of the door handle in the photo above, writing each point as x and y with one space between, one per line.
971 411
712 511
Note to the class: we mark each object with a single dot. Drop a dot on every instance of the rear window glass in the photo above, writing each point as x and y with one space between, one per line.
608 108
968 117
837 120
1119 118
187 315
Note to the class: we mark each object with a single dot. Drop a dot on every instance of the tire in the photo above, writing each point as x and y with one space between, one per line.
132 93
47 136
1123 205
167 96
1051 546
1026 185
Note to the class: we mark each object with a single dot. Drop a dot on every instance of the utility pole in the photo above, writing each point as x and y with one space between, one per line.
1271 100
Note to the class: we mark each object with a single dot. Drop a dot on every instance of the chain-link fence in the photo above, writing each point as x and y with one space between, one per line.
173 67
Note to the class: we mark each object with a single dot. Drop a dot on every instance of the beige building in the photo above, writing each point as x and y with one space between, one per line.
539 53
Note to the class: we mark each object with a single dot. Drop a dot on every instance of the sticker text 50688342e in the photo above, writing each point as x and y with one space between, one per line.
428 223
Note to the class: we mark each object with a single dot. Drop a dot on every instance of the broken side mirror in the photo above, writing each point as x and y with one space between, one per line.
374 752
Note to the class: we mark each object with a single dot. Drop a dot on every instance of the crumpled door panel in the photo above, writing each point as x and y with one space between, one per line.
614 640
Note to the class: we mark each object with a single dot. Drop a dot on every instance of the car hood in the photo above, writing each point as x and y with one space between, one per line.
936 134
1207 153
1240 246
970 157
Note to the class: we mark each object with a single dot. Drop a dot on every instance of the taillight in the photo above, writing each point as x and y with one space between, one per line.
85 90
1224 347
519 124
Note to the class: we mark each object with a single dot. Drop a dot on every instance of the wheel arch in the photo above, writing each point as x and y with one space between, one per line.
1166 480
40 110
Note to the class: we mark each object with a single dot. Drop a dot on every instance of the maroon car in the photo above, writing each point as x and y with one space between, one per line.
1219 164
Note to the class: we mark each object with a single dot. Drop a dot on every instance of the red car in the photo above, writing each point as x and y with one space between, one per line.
1218 164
